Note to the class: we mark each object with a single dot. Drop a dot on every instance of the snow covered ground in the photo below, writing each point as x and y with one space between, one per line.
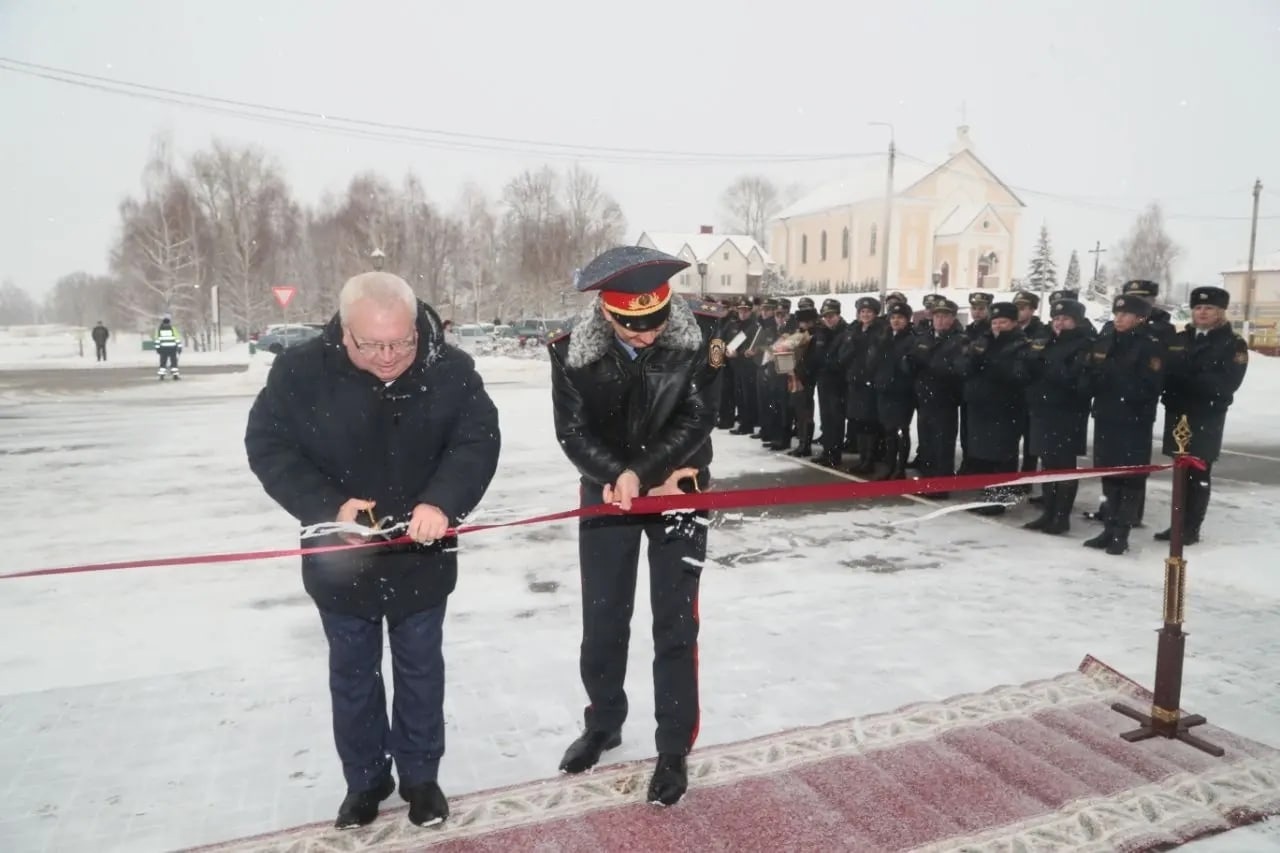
157 708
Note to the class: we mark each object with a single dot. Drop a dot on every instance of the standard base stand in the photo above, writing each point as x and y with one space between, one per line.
1178 730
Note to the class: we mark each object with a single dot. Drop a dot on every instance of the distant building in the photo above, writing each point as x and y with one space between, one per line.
1266 297
952 217
735 263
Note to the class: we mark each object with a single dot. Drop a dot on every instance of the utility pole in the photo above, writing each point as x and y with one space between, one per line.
1248 276
888 215
1096 251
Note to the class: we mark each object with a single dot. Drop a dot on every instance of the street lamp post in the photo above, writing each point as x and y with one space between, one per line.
888 213
702 273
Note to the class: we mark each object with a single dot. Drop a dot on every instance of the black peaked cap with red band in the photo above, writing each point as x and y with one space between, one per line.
633 283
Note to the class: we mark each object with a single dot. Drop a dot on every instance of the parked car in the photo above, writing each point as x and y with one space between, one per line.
280 337
539 330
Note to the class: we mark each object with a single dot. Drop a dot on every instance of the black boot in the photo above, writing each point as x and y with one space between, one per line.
1102 540
427 804
584 752
1064 498
904 450
360 808
805 449
670 780
1046 513
891 444
866 451
1119 540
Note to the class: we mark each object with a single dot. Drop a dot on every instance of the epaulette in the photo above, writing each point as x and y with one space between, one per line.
563 336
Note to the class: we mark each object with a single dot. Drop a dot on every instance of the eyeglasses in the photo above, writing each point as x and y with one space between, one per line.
399 347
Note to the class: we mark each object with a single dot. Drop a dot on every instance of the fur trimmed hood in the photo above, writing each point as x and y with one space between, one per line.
592 334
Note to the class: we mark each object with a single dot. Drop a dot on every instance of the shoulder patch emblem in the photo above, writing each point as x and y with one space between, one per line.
1154 364
1242 357
715 353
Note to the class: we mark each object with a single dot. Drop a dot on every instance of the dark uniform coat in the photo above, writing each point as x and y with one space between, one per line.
996 377
892 380
1057 400
1124 377
858 348
1204 372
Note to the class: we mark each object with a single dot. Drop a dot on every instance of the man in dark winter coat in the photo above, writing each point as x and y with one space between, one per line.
742 369
100 334
979 326
379 416
996 373
736 319
1124 376
1059 409
1159 326
858 346
895 400
635 390
939 390
1206 366
832 388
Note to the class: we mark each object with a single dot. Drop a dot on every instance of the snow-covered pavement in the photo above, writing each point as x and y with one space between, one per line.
157 708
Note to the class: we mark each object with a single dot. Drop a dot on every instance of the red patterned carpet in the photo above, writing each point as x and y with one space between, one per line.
1035 767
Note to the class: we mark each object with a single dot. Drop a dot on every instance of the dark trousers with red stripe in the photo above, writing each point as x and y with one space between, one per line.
609 555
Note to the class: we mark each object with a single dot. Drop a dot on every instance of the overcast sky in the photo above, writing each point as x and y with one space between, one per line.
1090 109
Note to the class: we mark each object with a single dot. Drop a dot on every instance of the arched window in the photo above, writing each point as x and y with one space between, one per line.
822 246
844 244
804 248
872 244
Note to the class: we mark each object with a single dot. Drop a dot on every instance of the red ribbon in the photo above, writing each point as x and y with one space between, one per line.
708 501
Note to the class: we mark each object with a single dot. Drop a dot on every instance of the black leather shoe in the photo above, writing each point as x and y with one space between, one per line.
360 808
427 804
584 753
670 780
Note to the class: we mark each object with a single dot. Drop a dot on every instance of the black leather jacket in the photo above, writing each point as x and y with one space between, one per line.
651 414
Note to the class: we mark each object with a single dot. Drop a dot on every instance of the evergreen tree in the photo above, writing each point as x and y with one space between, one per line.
1072 281
1043 275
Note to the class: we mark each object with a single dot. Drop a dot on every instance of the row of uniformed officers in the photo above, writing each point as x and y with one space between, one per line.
1015 391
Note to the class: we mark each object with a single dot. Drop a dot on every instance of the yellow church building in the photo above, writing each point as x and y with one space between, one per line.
952 219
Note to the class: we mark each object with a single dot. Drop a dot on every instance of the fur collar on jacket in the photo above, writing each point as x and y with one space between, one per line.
592 334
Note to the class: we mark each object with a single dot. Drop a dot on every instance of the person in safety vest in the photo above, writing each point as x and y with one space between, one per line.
168 344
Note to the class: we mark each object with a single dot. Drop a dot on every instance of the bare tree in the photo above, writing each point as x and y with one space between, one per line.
749 203
255 226
432 242
1148 252
158 254
478 260
17 308
80 299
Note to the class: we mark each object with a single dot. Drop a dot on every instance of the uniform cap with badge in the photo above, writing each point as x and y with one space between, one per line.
1004 311
1130 303
1067 308
1026 297
830 306
978 298
868 303
1209 295
633 283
